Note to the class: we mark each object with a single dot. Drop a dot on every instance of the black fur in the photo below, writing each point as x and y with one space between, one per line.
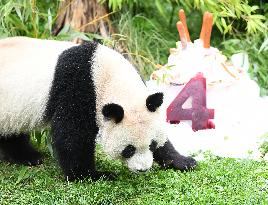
167 157
113 111
129 151
153 146
97 40
154 101
72 111
17 149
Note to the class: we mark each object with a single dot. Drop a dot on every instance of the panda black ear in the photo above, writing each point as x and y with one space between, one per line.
97 40
154 101
113 111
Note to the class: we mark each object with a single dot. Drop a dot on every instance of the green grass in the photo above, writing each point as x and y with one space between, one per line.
216 181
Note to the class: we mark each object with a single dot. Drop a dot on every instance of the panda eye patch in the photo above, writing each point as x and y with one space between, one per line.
154 101
153 146
129 151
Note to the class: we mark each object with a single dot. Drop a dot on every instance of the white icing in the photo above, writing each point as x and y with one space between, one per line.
183 64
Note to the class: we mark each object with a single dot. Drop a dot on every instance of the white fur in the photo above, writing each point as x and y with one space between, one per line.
117 81
140 161
26 71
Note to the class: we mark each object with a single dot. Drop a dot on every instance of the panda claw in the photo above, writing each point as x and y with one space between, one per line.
27 159
31 161
183 163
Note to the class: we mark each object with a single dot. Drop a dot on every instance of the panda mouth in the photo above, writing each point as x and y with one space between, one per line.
142 170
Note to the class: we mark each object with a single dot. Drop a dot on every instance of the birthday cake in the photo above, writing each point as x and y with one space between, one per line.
240 112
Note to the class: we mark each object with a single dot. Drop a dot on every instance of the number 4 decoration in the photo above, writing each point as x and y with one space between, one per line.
199 114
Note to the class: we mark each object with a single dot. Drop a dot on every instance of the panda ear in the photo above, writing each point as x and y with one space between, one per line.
154 101
113 111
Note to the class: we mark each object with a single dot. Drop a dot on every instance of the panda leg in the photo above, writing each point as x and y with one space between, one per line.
74 146
167 157
17 149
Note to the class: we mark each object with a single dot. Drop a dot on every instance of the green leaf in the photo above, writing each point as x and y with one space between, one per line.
226 28
257 16
49 20
23 175
254 8
219 26
17 9
161 9
264 45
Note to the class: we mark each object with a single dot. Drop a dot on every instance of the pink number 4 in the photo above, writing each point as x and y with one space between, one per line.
199 114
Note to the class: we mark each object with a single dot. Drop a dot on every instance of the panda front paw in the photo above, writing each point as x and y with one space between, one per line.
25 157
167 157
16 148
33 160
181 163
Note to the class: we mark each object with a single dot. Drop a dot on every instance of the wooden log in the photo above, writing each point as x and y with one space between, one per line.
83 15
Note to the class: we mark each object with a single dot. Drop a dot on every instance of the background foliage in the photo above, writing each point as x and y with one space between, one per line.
147 28
229 16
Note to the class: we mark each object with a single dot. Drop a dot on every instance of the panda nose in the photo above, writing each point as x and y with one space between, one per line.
142 170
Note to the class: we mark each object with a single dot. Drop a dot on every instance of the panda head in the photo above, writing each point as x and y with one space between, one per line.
133 134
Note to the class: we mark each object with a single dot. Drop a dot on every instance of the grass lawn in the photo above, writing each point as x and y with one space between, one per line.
216 181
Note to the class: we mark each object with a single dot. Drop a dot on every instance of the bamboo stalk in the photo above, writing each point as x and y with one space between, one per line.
182 17
228 71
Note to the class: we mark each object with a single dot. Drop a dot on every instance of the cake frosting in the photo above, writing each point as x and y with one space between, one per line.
183 64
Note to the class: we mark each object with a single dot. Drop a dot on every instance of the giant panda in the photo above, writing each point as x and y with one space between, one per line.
80 92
